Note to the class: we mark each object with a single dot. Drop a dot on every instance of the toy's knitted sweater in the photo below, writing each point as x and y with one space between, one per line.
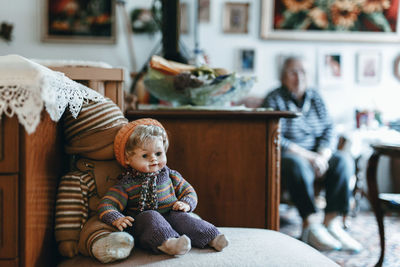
125 195
72 207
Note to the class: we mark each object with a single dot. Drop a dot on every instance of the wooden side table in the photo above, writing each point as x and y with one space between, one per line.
391 150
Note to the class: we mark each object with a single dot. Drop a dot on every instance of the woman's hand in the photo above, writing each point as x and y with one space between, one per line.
320 164
319 161
182 206
123 222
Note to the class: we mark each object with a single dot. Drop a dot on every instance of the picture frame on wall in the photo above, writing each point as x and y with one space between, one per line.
236 17
330 68
396 67
246 60
203 11
71 21
369 67
357 21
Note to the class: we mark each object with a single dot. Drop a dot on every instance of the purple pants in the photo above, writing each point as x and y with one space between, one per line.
152 228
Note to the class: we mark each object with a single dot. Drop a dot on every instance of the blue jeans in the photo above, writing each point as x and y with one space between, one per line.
298 177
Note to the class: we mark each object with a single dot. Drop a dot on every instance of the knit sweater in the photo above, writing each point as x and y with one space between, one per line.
72 204
313 130
124 196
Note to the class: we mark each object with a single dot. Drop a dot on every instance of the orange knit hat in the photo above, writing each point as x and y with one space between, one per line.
125 132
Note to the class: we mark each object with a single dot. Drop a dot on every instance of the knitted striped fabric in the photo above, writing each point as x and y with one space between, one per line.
94 118
124 197
148 194
74 191
313 130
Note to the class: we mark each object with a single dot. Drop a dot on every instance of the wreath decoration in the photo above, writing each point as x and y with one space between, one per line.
142 21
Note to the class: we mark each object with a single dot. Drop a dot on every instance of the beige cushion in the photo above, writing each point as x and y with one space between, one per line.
248 247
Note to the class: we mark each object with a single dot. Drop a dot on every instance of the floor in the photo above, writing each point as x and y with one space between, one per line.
362 227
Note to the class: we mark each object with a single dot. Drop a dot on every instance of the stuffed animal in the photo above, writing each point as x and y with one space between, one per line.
89 140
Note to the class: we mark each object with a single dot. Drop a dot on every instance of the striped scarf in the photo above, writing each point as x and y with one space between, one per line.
148 195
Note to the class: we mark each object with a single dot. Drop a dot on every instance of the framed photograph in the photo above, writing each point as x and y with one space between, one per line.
184 20
396 68
236 16
203 10
330 68
368 67
246 60
369 21
89 21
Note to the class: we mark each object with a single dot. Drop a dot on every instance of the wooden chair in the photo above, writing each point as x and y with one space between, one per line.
108 82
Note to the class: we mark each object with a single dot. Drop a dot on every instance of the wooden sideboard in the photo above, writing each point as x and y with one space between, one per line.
30 167
232 160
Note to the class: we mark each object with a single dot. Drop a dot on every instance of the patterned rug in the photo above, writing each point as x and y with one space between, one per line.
362 227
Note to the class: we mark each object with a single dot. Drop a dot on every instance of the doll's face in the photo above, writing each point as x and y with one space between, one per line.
149 157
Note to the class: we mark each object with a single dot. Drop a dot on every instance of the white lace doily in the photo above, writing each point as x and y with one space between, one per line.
26 86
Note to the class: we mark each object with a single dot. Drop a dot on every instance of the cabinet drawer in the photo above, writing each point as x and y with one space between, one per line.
9 128
8 216
9 263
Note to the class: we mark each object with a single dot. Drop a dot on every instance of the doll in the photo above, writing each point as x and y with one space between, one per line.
152 201
89 141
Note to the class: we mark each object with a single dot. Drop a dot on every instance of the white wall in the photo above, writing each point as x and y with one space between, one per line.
342 100
26 15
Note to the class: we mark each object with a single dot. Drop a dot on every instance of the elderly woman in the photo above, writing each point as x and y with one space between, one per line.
308 153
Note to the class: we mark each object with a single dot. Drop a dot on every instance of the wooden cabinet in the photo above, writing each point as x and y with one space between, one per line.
8 216
30 168
8 146
232 160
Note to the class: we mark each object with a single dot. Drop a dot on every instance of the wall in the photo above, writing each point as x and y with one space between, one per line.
341 100
222 52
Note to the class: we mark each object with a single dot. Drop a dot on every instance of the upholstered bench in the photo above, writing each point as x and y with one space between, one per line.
248 247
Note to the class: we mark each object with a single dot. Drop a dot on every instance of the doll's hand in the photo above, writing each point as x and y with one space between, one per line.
182 206
123 222
68 248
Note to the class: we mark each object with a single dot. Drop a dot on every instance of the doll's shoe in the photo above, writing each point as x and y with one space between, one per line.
176 246
219 243
112 247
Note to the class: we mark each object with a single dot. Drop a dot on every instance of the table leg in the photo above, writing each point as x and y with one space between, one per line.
374 200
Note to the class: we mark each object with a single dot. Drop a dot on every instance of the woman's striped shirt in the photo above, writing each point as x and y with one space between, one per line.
313 130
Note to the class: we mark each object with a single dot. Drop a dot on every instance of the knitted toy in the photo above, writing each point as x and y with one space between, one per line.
89 139
151 201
